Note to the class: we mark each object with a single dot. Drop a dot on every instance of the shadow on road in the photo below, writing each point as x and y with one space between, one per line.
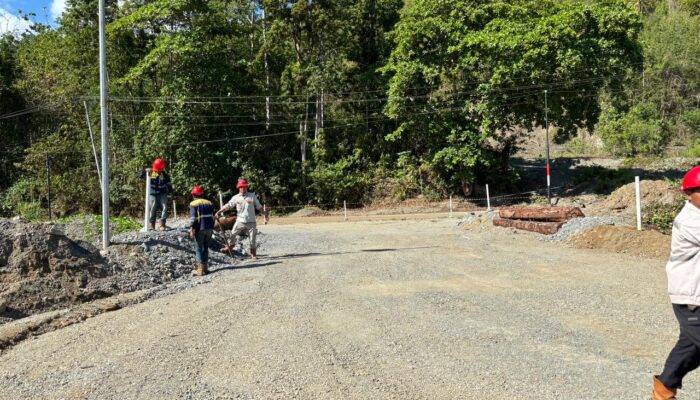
244 266
335 253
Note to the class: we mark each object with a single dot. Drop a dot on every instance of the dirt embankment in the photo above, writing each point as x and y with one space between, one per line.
43 269
651 191
625 239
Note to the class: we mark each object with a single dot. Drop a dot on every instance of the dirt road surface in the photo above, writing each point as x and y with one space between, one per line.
414 309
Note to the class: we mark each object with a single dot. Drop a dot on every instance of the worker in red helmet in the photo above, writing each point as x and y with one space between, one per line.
683 272
245 203
201 228
161 189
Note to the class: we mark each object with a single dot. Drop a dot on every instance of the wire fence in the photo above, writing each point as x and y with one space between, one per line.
447 207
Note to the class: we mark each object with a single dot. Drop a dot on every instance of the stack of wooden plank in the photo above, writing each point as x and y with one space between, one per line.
545 220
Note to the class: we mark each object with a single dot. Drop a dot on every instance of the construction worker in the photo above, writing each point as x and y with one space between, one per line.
683 272
201 228
245 203
161 189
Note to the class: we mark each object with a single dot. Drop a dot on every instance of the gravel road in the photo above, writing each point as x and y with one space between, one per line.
375 310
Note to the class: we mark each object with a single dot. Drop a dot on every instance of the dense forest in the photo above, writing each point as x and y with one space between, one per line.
321 101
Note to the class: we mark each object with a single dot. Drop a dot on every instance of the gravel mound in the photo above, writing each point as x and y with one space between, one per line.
477 218
309 211
577 226
43 269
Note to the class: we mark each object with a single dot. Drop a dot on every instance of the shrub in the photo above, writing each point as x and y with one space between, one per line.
640 131
661 215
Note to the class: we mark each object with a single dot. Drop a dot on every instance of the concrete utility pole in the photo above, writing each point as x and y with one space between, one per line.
103 129
546 123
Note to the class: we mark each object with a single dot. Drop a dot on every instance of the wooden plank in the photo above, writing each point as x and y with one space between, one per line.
545 228
540 213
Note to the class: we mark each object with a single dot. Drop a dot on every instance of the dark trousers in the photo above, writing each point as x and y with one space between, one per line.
201 246
685 355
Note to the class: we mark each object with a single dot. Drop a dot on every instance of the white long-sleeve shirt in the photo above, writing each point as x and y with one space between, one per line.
683 266
245 204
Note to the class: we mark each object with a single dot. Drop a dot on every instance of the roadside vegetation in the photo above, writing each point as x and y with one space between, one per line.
319 102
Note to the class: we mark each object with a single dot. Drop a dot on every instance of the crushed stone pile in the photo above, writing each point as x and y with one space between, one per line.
577 226
308 211
42 268
658 191
477 219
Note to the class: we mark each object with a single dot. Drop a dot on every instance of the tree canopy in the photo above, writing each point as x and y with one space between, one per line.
324 101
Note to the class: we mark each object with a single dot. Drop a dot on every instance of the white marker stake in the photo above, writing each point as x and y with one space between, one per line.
221 201
148 195
174 209
638 195
450 206
488 199
345 207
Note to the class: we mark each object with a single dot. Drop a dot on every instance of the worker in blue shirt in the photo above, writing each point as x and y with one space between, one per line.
201 228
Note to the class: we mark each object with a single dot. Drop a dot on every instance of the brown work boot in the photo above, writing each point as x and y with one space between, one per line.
162 228
205 268
661 392
253 254
152 226
198 270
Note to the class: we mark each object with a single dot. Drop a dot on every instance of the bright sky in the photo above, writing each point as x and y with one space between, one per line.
46 12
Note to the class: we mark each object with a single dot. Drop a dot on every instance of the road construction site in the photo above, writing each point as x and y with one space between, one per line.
403 309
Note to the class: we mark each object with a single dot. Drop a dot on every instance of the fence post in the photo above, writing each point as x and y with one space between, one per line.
488 198
450 206
638 196
148 195
345 208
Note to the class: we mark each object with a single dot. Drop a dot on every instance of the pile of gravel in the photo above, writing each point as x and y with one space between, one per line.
577 226
477 217
43 268
170 255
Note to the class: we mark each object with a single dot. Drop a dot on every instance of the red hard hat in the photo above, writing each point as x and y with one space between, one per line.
691 180
197 191
158 165
241 183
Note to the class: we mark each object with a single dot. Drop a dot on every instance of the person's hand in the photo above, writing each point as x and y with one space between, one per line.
191 233
149 170
217 214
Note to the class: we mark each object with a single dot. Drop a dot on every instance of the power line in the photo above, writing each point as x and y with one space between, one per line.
194 100
339 94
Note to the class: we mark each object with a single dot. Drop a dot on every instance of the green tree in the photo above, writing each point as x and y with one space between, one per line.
662 101
467 74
